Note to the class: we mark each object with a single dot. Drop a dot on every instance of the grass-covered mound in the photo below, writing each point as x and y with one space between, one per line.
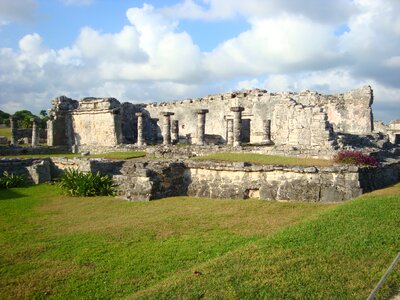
265 159
69 247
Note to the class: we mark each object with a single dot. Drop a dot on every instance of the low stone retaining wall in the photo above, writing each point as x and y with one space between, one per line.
34 170
145 180
241 181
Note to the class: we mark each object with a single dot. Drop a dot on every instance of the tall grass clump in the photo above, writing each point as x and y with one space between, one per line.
77 183
356 158
10 180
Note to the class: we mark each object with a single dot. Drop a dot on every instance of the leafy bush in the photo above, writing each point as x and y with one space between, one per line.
77 183
356 158
11 180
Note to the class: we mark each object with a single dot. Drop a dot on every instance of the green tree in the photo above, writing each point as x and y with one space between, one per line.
4 117
24 118
43 113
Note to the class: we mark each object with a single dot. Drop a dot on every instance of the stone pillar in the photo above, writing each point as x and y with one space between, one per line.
14 131
175 132
167 127
140 129
267 132
237 124
229 138
201 126
154 129
35 132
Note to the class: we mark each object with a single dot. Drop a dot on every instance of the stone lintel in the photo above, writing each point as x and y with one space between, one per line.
202 111
139 114
34 120
167 113
237 109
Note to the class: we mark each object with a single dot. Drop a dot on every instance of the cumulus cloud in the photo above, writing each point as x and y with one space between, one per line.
289 45
17 11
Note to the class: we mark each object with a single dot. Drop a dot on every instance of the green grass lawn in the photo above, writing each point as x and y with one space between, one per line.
266 159
110 155
65 247
5 131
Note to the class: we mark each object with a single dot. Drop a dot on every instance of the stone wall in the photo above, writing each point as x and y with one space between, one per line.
145 180
241 181
97 122
34 170
91 121
293 115
306 119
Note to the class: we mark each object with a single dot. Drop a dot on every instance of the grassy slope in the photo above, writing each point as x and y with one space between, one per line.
341 255
265 159
191 248
104 247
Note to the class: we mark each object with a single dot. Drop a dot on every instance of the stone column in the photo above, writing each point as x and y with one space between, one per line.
175 132
167 127
237 124
229 138
201 126
14 131
50 131
140 129
154 128
267 132
35 132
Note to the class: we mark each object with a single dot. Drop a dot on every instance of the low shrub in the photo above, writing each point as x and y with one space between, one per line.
77 183
8 180
356 158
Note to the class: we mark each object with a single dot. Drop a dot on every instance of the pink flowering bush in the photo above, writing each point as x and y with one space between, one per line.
356 158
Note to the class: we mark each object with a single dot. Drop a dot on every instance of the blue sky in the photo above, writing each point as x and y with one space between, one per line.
163 50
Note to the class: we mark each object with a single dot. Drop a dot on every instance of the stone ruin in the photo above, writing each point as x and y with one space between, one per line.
308 122
297 124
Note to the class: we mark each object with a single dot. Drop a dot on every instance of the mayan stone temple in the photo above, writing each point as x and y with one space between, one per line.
307 120
305 124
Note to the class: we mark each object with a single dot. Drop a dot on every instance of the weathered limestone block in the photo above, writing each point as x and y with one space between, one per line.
35 132
40 172
140 129
229 129
167 127
14 130
393 130
201 125
237 125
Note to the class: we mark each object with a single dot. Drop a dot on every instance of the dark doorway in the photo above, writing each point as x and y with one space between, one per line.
245 132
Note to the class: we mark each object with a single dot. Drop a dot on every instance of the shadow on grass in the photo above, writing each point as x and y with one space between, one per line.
8 194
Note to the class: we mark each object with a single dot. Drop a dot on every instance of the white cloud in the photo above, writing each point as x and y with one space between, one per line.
285 43
17 11
247 84
290 45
